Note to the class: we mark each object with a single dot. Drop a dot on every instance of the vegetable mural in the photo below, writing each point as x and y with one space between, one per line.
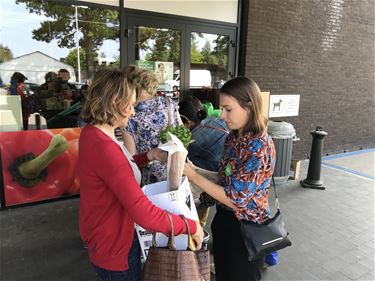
39 165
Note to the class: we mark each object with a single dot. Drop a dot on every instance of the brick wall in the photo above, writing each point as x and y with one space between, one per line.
324 51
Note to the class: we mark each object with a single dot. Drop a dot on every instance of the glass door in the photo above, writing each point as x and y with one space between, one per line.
187 56
159 50
157 47
211 61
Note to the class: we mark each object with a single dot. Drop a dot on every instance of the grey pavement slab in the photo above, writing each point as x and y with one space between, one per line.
332 230
361 162
332 233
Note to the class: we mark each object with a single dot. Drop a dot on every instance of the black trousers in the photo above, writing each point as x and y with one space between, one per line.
230 254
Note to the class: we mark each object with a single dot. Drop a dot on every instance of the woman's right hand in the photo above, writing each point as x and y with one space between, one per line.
198 236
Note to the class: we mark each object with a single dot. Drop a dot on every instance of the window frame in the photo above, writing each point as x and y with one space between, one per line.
186 25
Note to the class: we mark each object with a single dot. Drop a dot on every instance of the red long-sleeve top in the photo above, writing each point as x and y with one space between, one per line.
111 201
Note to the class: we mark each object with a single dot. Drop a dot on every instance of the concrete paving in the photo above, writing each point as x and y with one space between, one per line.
360 162
332 233
332 230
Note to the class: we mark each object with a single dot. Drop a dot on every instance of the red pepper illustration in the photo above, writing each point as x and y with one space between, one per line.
36 166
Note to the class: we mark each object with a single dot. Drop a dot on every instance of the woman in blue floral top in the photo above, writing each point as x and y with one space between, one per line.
244 177
151 116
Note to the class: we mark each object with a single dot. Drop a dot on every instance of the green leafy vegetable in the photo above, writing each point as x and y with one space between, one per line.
181 132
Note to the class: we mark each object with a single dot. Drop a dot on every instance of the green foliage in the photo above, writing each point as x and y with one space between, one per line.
5 53
145 35
174 46
71 58
164 45
116 63
207 56
161 47
195 54
181 132
221 50
96 25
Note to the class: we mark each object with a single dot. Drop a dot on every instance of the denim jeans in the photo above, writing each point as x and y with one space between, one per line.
133 273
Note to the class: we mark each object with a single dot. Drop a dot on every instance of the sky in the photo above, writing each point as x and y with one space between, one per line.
16 25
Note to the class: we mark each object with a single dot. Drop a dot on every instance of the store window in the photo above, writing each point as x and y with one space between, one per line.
209 57
159 50
57 48
191 56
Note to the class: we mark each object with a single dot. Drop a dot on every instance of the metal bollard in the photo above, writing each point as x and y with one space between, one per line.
315 163
37 121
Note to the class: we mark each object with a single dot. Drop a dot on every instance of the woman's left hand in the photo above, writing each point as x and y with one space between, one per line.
157 154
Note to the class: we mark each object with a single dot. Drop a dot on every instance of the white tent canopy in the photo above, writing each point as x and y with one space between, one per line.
34 66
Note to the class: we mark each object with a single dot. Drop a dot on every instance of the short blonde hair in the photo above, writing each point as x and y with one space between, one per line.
107 98
142 79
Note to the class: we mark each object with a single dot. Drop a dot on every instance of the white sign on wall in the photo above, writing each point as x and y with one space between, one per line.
284 105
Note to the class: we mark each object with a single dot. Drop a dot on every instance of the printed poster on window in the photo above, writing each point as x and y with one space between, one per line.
162 69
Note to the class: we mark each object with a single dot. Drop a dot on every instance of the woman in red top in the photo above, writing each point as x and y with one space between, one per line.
111 199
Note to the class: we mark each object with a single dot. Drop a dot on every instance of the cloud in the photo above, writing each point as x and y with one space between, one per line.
16 15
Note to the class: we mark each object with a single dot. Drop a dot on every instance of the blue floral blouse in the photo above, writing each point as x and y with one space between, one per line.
246 172
151 116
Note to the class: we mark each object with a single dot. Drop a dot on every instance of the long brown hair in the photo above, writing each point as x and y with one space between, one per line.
107 98
248 95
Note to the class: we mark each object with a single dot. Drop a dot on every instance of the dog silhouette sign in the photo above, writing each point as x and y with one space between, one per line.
284 105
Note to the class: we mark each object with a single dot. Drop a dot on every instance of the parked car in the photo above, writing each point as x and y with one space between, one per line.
78 85
218 84
199 78
168 90
31 88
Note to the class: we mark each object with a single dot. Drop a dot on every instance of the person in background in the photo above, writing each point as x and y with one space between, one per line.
244 178
18 87
152 114
111 200
17 84
209 135
51 78
64 76
69 89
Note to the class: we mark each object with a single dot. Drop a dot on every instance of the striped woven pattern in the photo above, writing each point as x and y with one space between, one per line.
164 264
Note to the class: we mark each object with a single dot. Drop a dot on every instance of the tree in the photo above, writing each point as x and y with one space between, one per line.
221 50
144 35
195 54
5 53
96 25
161 50
116 63
174 46
207 56
71 58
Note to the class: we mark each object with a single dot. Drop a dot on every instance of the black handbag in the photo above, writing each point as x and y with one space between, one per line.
263 239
